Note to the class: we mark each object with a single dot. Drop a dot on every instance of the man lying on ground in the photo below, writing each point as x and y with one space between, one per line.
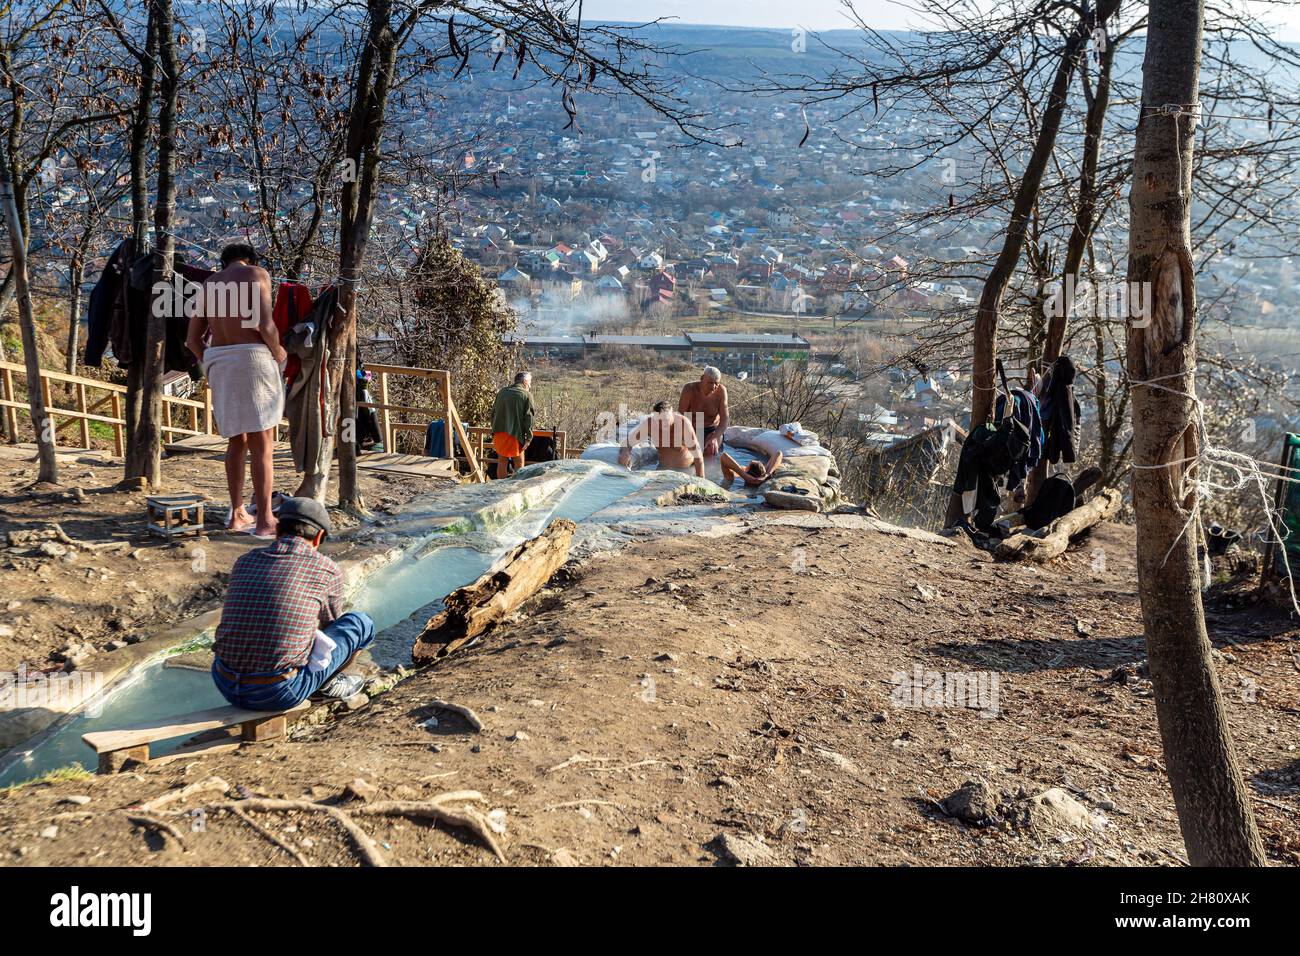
673 437
269 653
705 404
753 474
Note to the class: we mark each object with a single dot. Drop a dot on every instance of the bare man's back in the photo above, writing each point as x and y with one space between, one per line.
237 301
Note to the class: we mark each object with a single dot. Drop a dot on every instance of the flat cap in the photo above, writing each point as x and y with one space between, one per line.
307 510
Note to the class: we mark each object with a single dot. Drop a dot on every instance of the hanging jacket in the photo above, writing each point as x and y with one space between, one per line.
292 303
305 404
979 469
104 300
140 302
1026 412
1060 413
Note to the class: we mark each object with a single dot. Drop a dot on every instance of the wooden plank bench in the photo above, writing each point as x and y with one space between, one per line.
116 747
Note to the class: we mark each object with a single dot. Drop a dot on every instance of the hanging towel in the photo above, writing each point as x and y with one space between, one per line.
309 426
247 394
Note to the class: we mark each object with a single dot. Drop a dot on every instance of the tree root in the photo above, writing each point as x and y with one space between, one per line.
586 803
141 820
470 717
435 808
576 759
284 845
208 783
370 853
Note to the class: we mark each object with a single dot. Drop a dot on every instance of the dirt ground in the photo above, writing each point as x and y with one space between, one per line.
698 700
54 602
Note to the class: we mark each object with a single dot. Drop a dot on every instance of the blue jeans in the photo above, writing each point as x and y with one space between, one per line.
350 633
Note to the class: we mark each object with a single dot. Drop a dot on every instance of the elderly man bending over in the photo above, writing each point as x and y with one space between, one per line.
270 654
705 404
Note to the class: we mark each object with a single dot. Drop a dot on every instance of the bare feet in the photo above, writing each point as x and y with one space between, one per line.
240 520
266 530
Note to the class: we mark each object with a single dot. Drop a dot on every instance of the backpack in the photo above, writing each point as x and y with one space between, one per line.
1006 441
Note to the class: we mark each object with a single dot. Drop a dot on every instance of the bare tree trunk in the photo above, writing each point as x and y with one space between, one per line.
139 231
995 285
76 273
6 296
1004 267
349 490
1214 810
42 424
144 458
365 129
1085 220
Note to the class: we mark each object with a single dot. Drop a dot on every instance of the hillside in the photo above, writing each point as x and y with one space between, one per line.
700 700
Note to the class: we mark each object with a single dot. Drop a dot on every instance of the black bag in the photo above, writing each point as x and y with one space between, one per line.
541 448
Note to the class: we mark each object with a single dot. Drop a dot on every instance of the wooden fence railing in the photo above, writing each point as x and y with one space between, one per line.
106 408
482 439
385 410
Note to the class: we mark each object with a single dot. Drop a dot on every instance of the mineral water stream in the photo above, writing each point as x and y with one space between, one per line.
416 582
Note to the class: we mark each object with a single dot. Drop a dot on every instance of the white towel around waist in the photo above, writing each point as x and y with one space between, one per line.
247 388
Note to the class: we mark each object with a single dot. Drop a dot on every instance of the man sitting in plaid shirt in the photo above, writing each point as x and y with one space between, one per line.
278 597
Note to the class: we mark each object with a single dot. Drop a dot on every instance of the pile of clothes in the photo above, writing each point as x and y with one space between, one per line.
1030 427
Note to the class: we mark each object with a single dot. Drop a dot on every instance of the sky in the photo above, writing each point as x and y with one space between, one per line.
813 14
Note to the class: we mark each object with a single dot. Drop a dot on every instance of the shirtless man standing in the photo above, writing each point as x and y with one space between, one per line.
673 437
705 403
233 335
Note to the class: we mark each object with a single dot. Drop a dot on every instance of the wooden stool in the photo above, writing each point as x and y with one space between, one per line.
173 515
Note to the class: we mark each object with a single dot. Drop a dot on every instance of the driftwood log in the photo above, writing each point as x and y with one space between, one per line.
471 610
1055 538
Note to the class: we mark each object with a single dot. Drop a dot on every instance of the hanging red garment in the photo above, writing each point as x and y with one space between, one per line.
292 303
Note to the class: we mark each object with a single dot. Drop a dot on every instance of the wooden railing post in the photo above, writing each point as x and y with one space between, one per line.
49 403
454 418
119 445
385 418
11 416
85 422
444 385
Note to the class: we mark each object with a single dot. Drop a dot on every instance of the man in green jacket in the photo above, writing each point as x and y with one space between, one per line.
512 423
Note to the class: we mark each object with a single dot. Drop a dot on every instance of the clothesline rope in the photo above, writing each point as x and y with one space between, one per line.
1247 470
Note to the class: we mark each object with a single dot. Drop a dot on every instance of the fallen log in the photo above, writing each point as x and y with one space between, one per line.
1047 543
469 611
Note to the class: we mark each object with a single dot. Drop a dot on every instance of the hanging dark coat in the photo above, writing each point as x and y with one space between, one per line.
1028 414
140 301
105 303
1060 413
